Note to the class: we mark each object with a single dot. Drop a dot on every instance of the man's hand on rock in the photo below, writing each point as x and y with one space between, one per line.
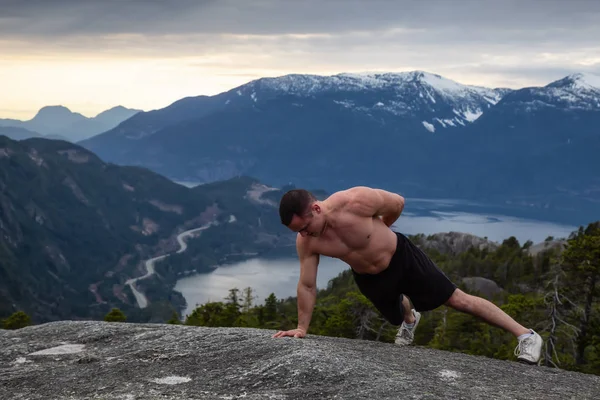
297 333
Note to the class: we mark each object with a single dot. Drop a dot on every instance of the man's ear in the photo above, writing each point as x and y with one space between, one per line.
316 207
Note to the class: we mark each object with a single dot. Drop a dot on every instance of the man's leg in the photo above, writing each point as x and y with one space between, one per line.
485 310
409 317
406 332
530 343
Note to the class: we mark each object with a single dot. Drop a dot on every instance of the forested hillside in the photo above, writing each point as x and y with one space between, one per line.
74 229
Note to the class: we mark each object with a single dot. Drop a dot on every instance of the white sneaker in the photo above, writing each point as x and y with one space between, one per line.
529 349
406 335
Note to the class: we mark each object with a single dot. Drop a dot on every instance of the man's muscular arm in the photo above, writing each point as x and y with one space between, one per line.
376 203
307 289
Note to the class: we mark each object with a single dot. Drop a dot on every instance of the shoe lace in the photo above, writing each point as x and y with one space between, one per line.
523 346
406 333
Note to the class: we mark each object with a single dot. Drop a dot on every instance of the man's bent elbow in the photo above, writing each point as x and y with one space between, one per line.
400 204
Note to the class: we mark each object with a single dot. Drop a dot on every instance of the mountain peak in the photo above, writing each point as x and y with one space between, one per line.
56 115
54 111
580 80
118 112
435 81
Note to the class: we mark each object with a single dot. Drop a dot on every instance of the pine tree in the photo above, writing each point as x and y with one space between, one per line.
270 308
115 315
17 320
209 314
174 320
581 262
559 330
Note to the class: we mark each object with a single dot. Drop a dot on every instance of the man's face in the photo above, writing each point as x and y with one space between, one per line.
309 224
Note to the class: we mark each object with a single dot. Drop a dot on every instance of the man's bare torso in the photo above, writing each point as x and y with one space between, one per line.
364 243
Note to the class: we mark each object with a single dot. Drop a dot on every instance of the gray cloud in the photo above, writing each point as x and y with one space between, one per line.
153 17
512 42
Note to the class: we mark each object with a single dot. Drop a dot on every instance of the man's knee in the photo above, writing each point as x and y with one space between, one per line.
459 300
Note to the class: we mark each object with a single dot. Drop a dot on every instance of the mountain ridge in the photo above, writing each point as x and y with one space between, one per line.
60 121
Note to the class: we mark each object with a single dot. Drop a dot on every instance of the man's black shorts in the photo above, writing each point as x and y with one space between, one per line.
409 273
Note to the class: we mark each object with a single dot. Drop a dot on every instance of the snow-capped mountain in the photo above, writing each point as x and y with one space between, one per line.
440 102
574 92
431 100
376 129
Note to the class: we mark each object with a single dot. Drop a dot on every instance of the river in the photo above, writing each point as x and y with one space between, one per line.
281 276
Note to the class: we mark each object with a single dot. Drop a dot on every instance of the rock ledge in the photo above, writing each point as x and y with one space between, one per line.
98 360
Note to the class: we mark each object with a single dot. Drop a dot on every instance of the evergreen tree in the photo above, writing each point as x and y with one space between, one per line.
174 320
560 333
115 315
581 261
270 308
232 308
17 320
248 299
209 314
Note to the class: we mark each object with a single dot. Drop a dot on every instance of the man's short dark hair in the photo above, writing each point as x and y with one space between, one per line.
296 201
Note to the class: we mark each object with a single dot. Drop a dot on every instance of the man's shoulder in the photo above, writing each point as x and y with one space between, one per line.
347 199
341 198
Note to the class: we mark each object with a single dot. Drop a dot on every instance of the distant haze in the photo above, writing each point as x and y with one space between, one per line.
89 56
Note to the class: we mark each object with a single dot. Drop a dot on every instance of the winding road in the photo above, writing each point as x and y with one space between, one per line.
140 297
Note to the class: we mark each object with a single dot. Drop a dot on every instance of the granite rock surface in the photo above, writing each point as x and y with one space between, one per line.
98 360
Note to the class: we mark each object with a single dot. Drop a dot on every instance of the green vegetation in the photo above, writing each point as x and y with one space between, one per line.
553 292
17 320
115 315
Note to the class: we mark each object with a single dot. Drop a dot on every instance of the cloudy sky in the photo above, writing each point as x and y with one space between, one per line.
90 55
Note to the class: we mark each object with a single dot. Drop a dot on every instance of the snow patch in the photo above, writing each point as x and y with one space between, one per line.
63 349
472 115
586 81
441 84
379 104
429 126
450 122
253 96
346 104
239 92
171 380
431 97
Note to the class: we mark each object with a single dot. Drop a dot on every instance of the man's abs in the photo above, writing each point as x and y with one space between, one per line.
366 244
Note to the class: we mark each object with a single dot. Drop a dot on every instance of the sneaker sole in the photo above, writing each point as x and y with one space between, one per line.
523 361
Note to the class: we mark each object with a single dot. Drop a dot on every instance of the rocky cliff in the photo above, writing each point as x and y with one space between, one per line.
97 360
454 242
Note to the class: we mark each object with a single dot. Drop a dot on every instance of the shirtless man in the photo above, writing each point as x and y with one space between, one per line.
353 225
